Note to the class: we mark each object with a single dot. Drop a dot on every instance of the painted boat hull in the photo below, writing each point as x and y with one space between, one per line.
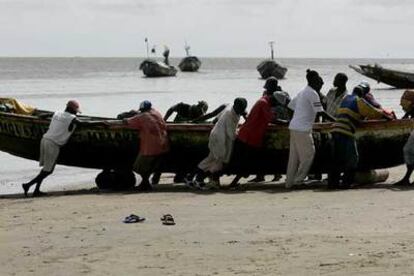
189 64
268 68
397 79
153 69
380 145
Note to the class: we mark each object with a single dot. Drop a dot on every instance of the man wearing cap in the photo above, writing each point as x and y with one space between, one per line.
61 127
153 139
250 137
369 98
352 110
306 106
220 144
281 114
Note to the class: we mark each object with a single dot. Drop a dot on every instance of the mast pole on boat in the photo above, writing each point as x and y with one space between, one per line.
146 42
187 48
271 43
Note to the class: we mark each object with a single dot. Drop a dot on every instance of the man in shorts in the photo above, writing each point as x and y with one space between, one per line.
61 127
153 139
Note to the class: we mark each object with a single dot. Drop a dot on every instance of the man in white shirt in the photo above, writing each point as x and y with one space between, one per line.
306 106
61 127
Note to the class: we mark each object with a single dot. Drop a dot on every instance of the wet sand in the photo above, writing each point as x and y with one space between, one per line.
261 230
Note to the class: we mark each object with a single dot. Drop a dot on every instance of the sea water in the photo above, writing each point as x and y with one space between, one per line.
109 86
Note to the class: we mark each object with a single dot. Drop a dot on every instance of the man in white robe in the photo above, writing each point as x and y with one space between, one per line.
221 143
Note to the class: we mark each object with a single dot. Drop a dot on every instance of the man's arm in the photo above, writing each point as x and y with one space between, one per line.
170 111
210 115
370 112
77 123
280 122
326 116
45 115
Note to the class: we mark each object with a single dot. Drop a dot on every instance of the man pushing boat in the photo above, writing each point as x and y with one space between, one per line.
153 139
61 127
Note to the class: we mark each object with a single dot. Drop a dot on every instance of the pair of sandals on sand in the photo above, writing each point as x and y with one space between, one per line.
166 219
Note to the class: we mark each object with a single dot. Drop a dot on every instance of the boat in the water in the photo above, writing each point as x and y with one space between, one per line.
189 63
397 79
269 67
153 68
380 145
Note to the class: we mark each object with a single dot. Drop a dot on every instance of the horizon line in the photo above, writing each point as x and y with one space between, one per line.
212 57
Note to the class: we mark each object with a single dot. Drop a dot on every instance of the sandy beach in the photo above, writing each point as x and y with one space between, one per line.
261 230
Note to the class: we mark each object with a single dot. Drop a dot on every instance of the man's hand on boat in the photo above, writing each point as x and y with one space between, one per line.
114 123
80 123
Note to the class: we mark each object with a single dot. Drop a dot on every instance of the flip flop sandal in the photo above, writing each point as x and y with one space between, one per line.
165 216
133 219
168 220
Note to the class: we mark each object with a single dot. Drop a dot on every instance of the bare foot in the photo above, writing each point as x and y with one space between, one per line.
26 188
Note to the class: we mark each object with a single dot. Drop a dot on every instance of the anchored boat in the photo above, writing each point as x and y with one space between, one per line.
397 79
153 68
270 67
189 63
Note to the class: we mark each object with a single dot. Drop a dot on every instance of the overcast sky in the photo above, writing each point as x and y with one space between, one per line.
235 28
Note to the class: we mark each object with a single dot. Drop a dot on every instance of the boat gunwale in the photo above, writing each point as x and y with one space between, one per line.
366 125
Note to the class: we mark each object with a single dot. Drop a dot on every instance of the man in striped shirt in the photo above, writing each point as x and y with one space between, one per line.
334 97
352 110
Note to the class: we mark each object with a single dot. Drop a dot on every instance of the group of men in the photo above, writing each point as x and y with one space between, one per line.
228 142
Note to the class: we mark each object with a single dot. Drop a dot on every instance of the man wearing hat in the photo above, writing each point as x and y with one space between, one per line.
282 114
250 137
61 127
352 110
306 106
153 139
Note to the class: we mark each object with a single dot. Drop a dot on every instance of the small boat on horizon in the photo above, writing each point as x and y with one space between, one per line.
397 79
189 63
153 68
270 67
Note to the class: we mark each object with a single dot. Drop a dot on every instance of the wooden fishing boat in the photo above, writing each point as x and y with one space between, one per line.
397 79
268 68
153 68
380 145
189 64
